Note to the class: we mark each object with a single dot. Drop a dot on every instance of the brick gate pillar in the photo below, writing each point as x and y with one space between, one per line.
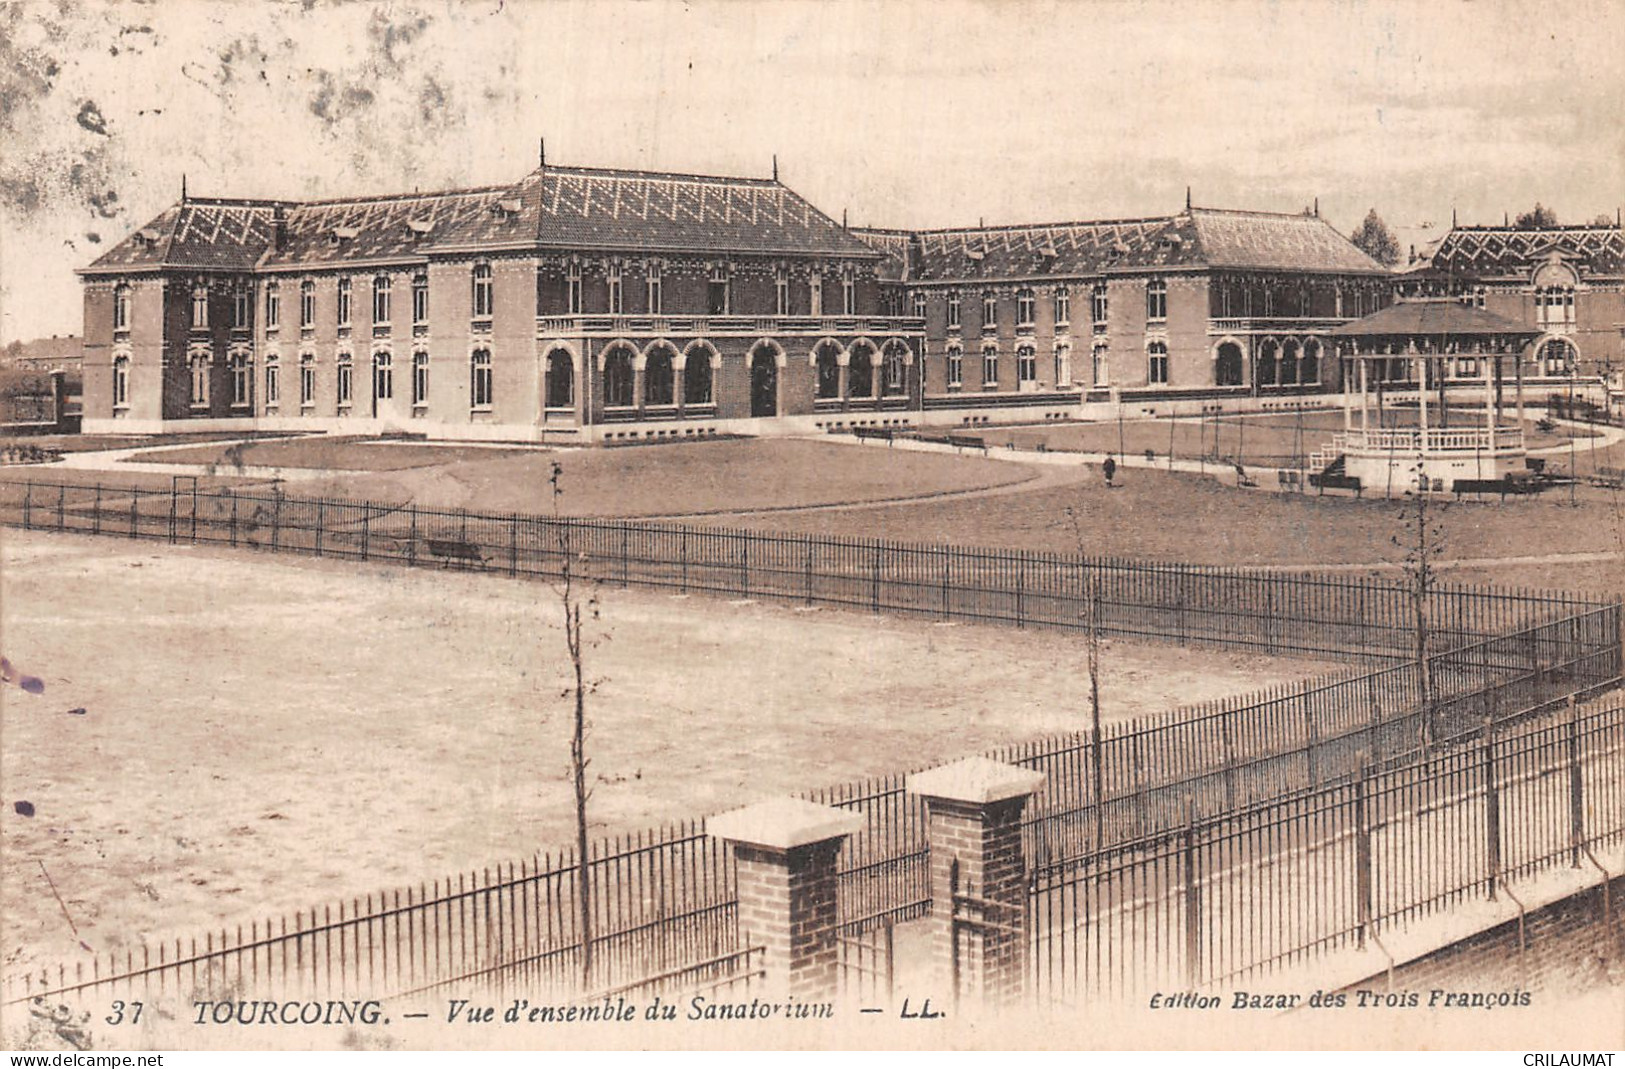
978 915
785 853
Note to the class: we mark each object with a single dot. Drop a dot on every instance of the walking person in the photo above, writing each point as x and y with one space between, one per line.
1108 469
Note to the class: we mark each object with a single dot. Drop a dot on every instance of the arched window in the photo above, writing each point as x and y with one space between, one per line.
828 366
121 381
420 299
307 303
199 384
1100 361
956 366
121 306
480 391
1026 365
1557 357
657 377
561 380
1267 369
383 375
1290 351
896 381
482 295
380 299
1063 366
1156 300
346 380
1026 308
1309 370
242 370
420 379
990 367
618 377
1156 364
307 380
273 385
860 371
697 377
1227 365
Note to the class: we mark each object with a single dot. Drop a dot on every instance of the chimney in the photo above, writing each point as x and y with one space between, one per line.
279 228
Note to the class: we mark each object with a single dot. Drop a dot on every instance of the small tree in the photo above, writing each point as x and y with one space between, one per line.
1421 536
1604 220
579 687
1091 638
1375 240
1538 216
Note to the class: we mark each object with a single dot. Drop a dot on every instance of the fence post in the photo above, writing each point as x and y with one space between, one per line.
135 499
1311 730
194 509
744 565
1021 588
1227 728
366 531
947 566
978 923
174 508
1362 849
683 550
1492 810
623 554
96 512
233 495
785 852
61 506
321 523
1376 715
412 538
809 574
28 506
513 545
874 581
1577 817
1193 899
276 523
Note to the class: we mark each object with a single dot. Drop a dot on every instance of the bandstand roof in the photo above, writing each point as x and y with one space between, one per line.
1437 318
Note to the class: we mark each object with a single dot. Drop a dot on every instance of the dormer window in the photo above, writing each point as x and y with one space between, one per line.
509 206
149 237
419 227
344 233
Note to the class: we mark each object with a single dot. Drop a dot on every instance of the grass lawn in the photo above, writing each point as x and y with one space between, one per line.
88 443
338 453
262 734
681 478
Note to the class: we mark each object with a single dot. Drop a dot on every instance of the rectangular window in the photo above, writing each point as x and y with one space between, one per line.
273 387
121 382
1026 309
239 307
480 378
383 376
716 294
953 310
1156 300
990 368
240 371
420 299
380 300
1097 305
656 304
815 294
956 367
482 291
781 292
615 302
344 304
420 379
990 312
1063 305
121 307
307 380
307 304
1157 365
849 294
200 308
919 304
1026 365
273 306
346 381
572 290
200 381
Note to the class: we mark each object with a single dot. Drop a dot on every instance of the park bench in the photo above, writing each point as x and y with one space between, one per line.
1289 478
879 433
1513 484
1609 478
1325 481
967 441
451 550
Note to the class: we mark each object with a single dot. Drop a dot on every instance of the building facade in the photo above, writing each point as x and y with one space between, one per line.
578 303
1565 282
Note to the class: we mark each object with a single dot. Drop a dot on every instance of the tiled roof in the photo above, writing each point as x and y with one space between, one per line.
1059 249
1197 238
1509 251
205 234
1444 315
382 228
637 211
1266 241
893 246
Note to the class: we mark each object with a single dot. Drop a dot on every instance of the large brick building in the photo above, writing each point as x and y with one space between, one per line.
1568 282
587 302
1204 303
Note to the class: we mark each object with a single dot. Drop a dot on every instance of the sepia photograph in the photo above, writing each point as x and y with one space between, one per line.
812 525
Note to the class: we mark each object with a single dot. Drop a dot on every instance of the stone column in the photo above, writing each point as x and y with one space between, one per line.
978 914
785 852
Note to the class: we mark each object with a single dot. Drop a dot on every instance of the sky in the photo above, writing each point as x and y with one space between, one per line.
904 114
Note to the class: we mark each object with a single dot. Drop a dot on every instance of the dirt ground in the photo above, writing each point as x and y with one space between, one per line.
262 734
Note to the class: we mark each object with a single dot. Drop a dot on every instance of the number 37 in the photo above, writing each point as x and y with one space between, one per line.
117 1016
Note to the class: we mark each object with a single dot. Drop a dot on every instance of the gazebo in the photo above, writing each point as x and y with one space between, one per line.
1411 348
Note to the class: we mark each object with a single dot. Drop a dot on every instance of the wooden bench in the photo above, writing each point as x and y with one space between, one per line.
1289 478
880 433
1503 487
1325 482
966 441
1609 478
450 550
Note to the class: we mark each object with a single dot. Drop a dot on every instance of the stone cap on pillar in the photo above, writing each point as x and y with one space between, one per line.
976 781
783 824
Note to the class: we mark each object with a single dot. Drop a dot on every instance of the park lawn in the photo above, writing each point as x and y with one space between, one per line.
337 453
91 443
680 479
261 734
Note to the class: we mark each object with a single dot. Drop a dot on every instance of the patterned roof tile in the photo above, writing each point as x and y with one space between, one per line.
1514 252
